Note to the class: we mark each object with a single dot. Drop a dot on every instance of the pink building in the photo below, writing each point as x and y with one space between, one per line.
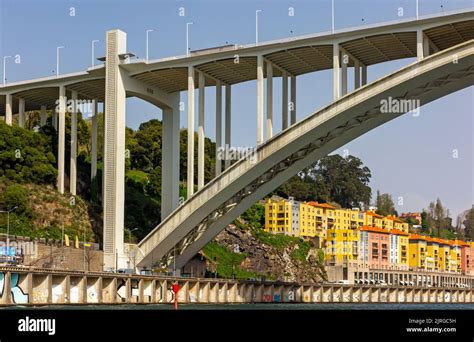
467 258
378 247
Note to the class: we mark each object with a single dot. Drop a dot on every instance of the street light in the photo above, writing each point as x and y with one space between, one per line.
147 32
130 234
8 224
187 37
417 10
256 26
93 54
332 15
4 68
57 59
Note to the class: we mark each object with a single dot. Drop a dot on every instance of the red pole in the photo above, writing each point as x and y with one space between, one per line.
175 291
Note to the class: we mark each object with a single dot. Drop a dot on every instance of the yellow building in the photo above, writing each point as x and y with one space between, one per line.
373 219
402 244
444 255
278 216
417 252
342 241
324 218
432 254
307 221
455 254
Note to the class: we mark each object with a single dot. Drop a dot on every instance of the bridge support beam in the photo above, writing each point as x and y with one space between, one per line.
114 152
8 110
284 100
202 95
293 100
61 137
259 99
218 127
345 62
364 74
73 159
190 162
228 118
335 71
422 45
94 122
269 132
43 116
21 113
170 160
356 74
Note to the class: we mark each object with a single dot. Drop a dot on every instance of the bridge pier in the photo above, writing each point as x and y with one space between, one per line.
61 137
228 118
293 99
335 71
218 127
190 159
170 158
201 135
259 99
94 123
21 113
8 109
284 100
269 132
73 157
114 153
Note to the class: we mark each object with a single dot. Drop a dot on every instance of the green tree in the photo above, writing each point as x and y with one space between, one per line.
385 205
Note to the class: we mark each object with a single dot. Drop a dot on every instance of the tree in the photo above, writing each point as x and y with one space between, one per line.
385 205
332 179
469 224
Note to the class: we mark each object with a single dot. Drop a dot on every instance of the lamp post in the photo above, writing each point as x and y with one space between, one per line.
256 26
5 68
57 59
93 51
147 32
332 15
8 225
187 37
417 10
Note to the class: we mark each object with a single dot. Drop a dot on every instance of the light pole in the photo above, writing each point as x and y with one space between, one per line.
147 32
417 10
57 59
93 52
256 26
130 234
8 225
187 37
332 15
5 68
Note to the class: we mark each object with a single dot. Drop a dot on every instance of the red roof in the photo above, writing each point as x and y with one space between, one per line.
374 229
321 205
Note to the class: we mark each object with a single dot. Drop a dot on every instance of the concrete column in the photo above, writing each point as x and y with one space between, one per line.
21 113
202 93
335 67
43 116
364 74
113 192
293 100
345 61
356 74
269 100
94 122
170 159
426 45
259 99
73 160
284 100
419 44
61 137
190 176
228 114
8 110
218 127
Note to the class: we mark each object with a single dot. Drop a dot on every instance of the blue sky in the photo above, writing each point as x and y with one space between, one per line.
410 157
